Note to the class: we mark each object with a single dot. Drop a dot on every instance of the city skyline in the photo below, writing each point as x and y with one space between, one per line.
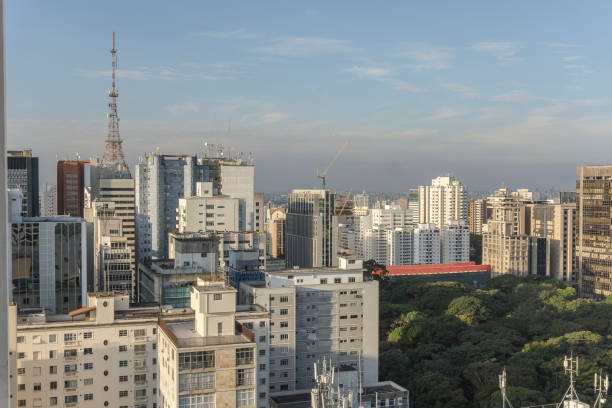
424 94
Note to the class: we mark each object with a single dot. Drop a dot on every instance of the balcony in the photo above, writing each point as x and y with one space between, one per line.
140 368
70 358
142 383
70 373
140 398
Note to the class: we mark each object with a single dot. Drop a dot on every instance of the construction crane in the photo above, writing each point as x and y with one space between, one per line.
324 174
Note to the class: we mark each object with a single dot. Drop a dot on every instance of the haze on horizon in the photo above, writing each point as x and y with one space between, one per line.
514 93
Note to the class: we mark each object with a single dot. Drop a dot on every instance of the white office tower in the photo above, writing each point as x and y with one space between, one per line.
442 202
47 201
426 241
391 216
455 238
317 313
374 243
311 229
112 269
206 212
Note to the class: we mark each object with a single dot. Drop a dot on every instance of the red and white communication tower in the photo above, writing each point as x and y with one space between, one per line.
113 153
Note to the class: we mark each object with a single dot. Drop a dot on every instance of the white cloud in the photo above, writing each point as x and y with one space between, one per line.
302 46
383 75
572 57
503 51
274 117
514 96
426 57
466 91
186 107
445 112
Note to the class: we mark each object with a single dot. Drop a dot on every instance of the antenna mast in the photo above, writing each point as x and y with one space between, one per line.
601 389
571 366
502 386
113 153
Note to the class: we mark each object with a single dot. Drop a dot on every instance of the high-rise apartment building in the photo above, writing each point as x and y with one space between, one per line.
426 244
443 201
48 260
70 187
22 173
47 206
477 215
101 355
276 218
209 213
455 242
413 204
503 245
594 243
317 313
311 229
213 359
112 255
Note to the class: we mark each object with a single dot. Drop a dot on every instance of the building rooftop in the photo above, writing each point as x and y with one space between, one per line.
183 335
462 267
215 287
311 271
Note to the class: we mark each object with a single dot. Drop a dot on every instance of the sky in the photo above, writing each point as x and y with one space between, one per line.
513 93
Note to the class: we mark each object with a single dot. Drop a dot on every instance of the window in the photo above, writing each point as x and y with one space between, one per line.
37 387
87 335
123 394
262 367
140 332
122 333
219 329
140 348
88 366
196 381
53 385
284 387
51 354
70 384
351 280
88 381
70 368
20 339
21 371
69 337
70 354
323 281
244 356
284 299
53 401
284 312
196 359
122 348
262 339
21 403
245 376
197 400
123 363
218 296
88 350
284 336
88 397
21 387
123 378
284 361
262 324
245 398
262 352
284 324
337 280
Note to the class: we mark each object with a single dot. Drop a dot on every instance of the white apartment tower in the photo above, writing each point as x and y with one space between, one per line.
426 244
47 201
443 201
455 238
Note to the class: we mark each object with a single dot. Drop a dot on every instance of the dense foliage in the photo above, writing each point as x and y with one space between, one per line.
447 342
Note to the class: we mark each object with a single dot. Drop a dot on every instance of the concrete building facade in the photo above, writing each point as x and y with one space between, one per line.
455 242
70 187
443 201
47 204
276 219
477 215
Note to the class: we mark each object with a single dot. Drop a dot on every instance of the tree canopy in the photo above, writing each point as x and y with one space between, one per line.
447 342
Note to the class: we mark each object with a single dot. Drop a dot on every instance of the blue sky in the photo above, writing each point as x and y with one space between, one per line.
495 92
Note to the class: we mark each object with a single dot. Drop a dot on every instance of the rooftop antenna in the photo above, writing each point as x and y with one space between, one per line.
570 364
502 386
600 386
